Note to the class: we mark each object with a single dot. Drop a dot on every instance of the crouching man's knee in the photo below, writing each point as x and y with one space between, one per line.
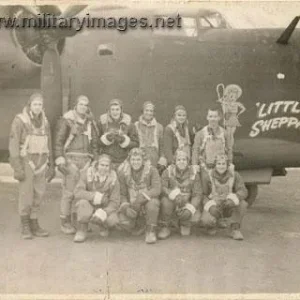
84 211
196 217
112 220
153 205
208 220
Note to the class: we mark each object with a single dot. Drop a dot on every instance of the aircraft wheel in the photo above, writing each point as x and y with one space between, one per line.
252 193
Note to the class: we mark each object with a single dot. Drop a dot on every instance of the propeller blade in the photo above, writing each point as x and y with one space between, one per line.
72 11
51 83
31 9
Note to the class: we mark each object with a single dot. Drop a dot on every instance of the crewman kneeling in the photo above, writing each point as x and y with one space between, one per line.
98 195
140 187
224 196
182 194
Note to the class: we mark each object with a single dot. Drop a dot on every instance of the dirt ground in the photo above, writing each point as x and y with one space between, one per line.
265 262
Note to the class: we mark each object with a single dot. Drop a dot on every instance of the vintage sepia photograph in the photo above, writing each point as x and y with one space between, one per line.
149 150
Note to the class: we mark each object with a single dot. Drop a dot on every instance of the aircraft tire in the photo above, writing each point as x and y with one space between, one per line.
252 193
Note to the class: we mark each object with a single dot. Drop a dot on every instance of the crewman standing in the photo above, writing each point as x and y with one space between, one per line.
32 161
177 135
150 134
117 133
76 145
210 141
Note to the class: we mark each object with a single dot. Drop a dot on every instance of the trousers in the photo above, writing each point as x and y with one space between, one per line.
76 165
151 211
31 192
85 210
235 215
168 208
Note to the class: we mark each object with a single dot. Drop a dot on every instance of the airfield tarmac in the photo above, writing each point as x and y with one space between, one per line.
267 261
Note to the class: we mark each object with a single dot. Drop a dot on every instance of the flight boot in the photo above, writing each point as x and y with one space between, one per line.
150 234
221 223
36 229
26 231
66 226
235 232
164 232
185 230
103 231
81 233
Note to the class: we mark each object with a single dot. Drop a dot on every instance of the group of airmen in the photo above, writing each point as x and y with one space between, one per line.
136 177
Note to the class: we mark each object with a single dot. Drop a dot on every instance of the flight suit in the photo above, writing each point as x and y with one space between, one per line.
207 145
139 191
31 158
76 145
176 137
117 138
151 140
224 196
97 196
182 194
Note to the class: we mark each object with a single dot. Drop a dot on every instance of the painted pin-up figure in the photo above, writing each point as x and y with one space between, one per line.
232 109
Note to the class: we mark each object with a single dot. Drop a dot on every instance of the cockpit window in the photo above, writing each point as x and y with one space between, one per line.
212 21
188 28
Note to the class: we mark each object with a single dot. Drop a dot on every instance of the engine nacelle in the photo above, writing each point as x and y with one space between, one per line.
22 49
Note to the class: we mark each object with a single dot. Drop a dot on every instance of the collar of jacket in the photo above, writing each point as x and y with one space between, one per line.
94 176
106 118
74 116
222 178
187 173
27 118
152 123
125 167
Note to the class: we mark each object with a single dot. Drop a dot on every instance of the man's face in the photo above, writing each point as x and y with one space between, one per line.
180 116
181 163
36 106
213 118
115 112
221 166
103 167
82 106
148 113
136 162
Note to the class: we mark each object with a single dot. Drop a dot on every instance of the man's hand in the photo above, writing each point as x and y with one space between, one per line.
120 138
128 211
19 174
181 200
50 173
99 216
184 214
131 213
63 169
174 193
142 198
160 168
110 136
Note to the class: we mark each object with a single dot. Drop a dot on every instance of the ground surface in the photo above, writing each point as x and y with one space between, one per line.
265 262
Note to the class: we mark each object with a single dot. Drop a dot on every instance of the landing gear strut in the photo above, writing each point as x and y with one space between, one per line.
252 193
